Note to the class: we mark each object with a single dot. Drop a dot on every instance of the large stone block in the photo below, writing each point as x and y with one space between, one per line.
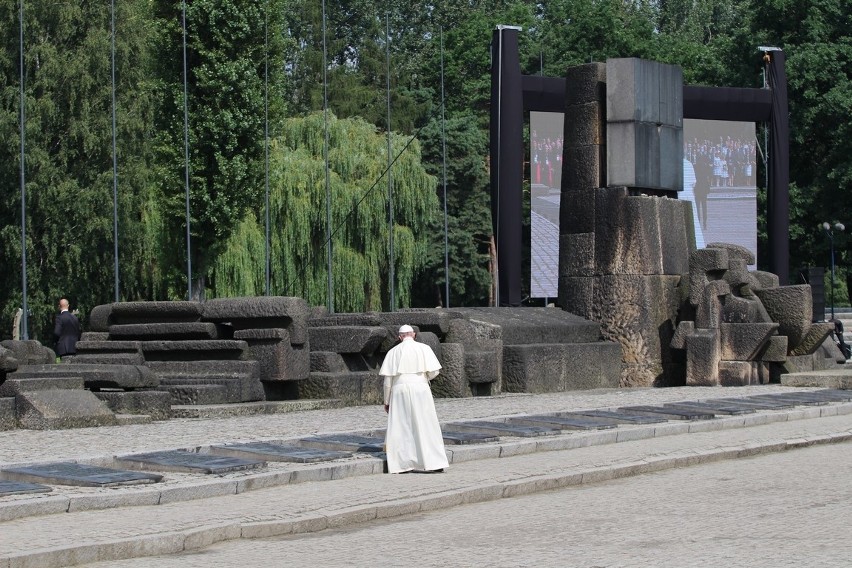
576 255
452 381
195 350
154 403
369 319
671 157
8 420
518 326
585 83
708 312
286 312
735 252
57 409
775 350
13 385
744 341
640 312
633 155
677 238
483 364
585 124
278 359
352 388
29 352
155 312
576 295
431 320
791 307
815 336
703 356
327 362
100 318
737 373
8 362
347 339
95 376
577 211
583 167
561 367
642 90
167 331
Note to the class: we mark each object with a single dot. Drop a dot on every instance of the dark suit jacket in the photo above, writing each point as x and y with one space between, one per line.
66 331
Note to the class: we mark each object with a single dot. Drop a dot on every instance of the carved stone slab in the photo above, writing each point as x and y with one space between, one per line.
503 429
278 452
345 442
565 422
623 417
78 474
671 413
714 408
19 488
835 394
188 462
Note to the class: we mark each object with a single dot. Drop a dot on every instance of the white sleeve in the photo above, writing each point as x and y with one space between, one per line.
387 389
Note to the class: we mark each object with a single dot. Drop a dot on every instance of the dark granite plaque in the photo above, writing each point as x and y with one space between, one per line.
672 413
819 395
623 417
20 487
81 475
717 408
565 422
503 429
464 438
345 443
795 400
753 403
278 452
837 394
189 462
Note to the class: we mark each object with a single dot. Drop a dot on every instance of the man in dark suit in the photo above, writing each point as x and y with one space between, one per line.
66 331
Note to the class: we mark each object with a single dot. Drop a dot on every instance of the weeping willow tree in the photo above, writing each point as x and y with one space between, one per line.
359 211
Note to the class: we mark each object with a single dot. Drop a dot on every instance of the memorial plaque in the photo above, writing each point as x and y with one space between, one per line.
463 438
793 399
819 395
20 487
278 452
623 417
718 408
838 394
754 403
503 429
345 443
78 474
565 422
189 462
672 413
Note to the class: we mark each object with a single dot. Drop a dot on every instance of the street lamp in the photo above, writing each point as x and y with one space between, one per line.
829 230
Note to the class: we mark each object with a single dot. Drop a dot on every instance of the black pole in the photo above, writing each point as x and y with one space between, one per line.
25 331
186 161
777 194
266 135
114 159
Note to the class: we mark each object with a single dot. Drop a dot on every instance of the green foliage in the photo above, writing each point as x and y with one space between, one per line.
357 160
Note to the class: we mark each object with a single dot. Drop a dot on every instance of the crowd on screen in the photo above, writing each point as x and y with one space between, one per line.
728 162
546 160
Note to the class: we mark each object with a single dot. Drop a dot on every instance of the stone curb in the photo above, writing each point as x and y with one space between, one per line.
201 537
204 488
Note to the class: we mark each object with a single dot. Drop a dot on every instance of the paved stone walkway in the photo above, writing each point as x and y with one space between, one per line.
75 526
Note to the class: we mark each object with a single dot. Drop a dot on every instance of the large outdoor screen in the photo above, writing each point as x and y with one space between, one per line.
719 173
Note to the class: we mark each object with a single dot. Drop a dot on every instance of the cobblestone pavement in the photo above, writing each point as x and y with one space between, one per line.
768 511
194 512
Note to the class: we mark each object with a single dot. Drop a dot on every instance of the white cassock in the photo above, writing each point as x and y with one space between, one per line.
413 440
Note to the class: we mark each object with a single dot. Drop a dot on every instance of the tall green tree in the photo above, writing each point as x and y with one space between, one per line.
228 56
360 221
69 159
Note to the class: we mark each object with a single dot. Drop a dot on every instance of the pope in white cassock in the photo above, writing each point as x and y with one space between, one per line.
413 441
